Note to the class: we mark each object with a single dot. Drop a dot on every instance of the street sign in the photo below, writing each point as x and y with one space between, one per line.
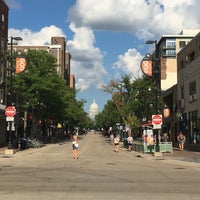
157 121
10 119
10 111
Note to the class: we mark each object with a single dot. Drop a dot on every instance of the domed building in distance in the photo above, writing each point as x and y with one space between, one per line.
94 110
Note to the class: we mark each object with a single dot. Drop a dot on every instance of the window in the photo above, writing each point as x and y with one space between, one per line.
182 64
170 43
182 44
191 56
170 52
182 92
192 88
2 17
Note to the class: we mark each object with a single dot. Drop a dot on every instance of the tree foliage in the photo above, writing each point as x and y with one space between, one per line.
109 116
45 92
135 101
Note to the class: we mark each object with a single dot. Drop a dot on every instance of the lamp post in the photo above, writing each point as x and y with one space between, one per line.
10 102
156 78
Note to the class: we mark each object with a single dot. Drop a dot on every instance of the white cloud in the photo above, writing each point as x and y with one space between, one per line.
86 61
86 58
129 63
13 4
146 19
36 38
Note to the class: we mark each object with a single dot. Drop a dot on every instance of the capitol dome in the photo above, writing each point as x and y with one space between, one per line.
94 110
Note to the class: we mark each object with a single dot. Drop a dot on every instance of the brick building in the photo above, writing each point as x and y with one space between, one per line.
57 48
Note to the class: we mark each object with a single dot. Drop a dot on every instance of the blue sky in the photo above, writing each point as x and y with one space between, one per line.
106 38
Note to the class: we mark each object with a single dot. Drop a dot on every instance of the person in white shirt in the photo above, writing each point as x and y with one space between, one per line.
116 142
75 146
130 141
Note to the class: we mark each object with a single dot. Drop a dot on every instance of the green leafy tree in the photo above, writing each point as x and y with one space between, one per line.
108 117
45 92
135 100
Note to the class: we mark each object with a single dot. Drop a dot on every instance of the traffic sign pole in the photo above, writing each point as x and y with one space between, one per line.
10 112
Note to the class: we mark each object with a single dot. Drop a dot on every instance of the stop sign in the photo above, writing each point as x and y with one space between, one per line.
10 111
156 119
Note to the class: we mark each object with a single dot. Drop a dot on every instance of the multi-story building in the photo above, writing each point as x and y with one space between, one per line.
188 62
168 47
3 46
56 49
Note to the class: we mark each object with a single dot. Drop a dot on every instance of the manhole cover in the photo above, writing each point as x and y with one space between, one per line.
6 166
111 163
6 156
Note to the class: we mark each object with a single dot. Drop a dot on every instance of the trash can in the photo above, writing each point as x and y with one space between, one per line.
23 143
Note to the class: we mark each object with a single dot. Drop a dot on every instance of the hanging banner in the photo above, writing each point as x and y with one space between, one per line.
20 64
147 65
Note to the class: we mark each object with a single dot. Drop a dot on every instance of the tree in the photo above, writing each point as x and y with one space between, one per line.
43 91
108 117
135 100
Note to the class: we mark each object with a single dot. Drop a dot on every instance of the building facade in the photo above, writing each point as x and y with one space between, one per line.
188 61
67 69
3 46
57 48
168 47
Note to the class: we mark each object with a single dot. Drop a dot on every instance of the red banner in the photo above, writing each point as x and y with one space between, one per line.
20 65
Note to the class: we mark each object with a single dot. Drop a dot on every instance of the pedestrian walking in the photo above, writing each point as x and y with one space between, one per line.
75 146
111 138
181 140
116 142
130 141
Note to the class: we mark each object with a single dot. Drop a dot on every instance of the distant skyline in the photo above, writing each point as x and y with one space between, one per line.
106 38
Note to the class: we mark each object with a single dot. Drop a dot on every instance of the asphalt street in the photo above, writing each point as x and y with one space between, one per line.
51 173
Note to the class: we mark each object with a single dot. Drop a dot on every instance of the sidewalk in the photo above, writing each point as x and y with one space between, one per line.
186 156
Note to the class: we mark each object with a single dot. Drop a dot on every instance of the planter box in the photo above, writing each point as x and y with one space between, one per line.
164 147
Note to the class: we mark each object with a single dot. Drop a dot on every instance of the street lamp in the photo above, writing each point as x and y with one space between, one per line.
10 96
156 78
